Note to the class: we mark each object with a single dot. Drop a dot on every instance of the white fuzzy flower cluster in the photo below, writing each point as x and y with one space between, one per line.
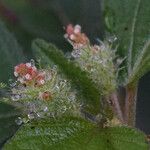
53 98
97 60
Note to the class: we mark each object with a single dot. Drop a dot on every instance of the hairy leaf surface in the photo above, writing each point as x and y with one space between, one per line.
74 133
130 21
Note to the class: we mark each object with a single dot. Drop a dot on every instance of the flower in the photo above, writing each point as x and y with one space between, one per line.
99 61
40 79
41 93
28 74
75 36
23 69
45 95
69 29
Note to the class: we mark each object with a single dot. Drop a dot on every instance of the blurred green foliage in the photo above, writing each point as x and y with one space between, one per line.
8 127
10 54
46 18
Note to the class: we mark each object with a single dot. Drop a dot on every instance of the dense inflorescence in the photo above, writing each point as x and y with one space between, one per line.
97 60
42 93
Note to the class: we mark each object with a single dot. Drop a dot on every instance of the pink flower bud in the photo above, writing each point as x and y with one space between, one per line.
77 29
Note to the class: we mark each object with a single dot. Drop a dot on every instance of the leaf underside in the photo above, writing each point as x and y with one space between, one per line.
74 133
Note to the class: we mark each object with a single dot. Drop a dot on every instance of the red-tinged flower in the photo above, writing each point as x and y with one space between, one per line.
70 29
25 69
29 75
20 70
81 38
40 79
75 35
72 37
45 96
32 72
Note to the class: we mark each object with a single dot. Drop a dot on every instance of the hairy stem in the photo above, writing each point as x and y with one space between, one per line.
130 105
116 106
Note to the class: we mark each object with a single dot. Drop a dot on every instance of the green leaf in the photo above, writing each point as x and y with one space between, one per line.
76 134
8 127
50 53
142 64
10 53
131 23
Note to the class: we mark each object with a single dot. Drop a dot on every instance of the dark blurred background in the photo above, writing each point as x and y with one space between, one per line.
30 19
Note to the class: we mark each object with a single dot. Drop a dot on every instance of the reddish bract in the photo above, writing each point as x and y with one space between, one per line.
74 34
70 29
29 75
